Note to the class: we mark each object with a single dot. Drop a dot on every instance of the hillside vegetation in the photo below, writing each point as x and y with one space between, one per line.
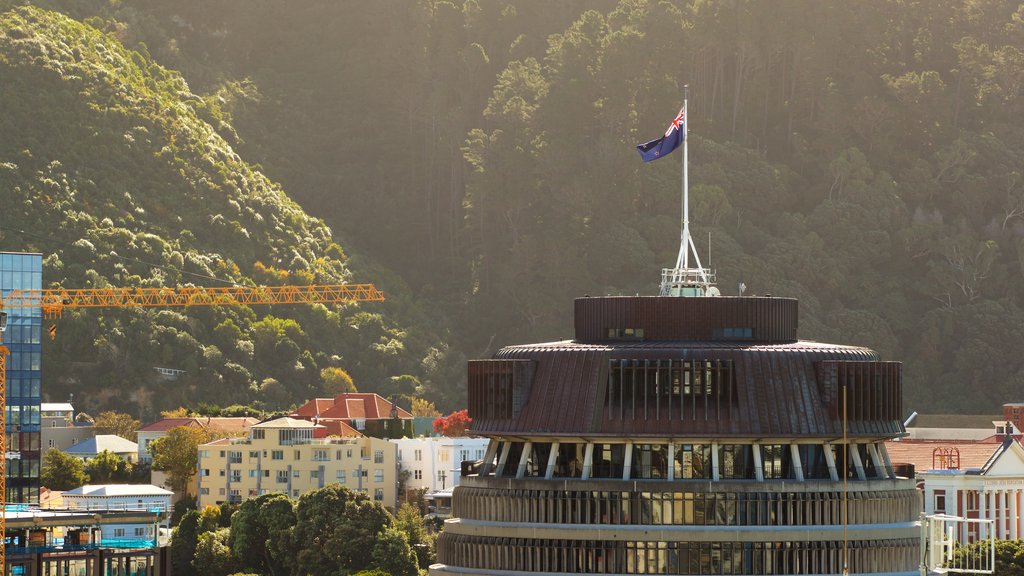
864 157
122 176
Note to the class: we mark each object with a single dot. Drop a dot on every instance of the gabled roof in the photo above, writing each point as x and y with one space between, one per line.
350 406
101 442
1009 446
221 424
336 428
118 490
286 422
920 453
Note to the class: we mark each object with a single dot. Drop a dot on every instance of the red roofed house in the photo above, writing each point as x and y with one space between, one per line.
364 411
967 468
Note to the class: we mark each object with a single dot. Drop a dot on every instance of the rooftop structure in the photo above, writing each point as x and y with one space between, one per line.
366 412
681 435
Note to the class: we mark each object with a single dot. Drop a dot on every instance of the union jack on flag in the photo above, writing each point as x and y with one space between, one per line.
663 146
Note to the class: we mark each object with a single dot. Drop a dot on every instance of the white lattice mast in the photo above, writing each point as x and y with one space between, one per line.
684 280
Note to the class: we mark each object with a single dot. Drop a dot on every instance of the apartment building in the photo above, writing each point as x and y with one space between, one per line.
435 463
283 455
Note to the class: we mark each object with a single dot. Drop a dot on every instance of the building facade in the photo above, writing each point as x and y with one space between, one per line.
23 338
123 498
434 463
683 435
282 455
58 428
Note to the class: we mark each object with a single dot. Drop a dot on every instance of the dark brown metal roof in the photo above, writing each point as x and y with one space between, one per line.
699 318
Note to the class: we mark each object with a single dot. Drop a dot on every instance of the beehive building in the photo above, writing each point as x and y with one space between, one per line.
683 435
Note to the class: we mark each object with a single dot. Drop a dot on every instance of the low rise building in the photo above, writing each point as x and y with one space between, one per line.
435 463
122 498
283 455
42 541
58 428
95 445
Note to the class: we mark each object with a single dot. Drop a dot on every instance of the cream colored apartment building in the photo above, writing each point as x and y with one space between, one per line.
283 456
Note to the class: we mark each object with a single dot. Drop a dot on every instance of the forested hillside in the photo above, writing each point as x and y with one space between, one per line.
865 157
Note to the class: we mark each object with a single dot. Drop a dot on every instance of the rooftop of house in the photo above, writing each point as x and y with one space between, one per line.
104 442
931 455
111 490
222 424
350 406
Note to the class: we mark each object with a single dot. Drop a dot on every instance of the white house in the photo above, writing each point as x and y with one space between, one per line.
435 463
991 492
91 447
122 497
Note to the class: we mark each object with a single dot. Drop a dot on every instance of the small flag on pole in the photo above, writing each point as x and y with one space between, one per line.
664 146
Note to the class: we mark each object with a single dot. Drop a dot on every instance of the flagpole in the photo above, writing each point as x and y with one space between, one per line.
685 245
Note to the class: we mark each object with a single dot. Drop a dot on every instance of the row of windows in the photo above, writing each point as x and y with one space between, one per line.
689 461
282 475
18 387
317 455
599 557
24 334
25 360
18 415
670 390
25 279
684 508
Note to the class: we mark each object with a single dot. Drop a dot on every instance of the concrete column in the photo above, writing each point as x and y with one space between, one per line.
627 462
885 458
715 474
880 469
492 451
524 459
858 464
503 458
1019 520
671 472
798 467
1000 514
758 464
1014 521
982 512
588 460
830 460
549 473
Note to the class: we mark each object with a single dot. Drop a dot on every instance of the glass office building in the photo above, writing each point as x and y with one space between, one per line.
24 366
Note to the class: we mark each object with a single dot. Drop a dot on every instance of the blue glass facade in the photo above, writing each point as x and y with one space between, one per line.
24 368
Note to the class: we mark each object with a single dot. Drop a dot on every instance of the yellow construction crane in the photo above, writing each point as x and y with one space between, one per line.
54 301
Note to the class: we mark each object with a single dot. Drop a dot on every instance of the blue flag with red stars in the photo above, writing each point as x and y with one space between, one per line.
664 146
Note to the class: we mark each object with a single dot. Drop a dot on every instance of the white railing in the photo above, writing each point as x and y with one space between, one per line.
940 535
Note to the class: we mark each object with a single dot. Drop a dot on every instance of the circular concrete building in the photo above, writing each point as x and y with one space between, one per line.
683 435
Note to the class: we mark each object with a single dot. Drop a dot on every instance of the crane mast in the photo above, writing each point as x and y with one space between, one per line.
54 301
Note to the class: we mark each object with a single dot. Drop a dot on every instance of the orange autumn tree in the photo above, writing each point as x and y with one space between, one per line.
454 424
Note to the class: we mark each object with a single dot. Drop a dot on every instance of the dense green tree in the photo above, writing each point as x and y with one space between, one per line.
213 555
392 554
336 527
62 471
260 534
177 454
183 543
118 424
108 468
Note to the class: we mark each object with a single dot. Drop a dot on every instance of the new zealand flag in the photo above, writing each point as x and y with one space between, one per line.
664 146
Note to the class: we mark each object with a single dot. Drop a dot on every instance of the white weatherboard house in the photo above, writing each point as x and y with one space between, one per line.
992 492
435 463
103 497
